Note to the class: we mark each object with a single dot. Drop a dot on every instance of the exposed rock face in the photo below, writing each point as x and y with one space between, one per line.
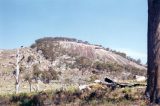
96 53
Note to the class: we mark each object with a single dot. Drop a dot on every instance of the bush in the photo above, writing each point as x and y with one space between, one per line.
83 62
121 97
107 66
30 59
99 66
51 74
36 71
54 73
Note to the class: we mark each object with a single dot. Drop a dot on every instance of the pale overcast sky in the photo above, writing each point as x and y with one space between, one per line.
118 24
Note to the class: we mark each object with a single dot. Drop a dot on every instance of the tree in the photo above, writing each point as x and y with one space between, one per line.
28 77
36 75
19 58
83 63
138 61
49 75
153 82
17 71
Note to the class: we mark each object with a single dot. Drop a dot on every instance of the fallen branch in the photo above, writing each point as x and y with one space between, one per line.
114 84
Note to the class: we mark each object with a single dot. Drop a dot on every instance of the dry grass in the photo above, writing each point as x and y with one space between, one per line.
53 94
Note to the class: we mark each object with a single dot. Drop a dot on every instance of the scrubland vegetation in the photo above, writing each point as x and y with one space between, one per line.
71 96
52 71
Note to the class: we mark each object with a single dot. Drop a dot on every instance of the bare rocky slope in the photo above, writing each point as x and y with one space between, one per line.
68 61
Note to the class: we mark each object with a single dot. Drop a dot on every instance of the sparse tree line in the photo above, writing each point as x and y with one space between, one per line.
51 39
138 61
124 55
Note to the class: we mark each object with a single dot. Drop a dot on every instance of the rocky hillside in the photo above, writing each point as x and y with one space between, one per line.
68 61
76 48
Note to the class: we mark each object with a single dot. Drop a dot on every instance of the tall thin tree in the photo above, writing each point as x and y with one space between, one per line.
19 58
17 71
153 82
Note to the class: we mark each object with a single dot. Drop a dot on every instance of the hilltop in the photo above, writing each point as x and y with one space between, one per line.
67 61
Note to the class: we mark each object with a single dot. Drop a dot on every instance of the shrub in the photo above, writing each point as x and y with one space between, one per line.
71 89
99 66
54 73
83 62
30 59
51 74
36 71
22 69
118 97
107 66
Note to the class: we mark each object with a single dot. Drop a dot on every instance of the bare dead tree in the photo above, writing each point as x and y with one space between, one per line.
19 58
17 71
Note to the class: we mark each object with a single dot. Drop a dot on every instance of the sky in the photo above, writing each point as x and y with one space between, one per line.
117 24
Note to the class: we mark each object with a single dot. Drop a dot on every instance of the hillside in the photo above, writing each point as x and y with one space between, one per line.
66 61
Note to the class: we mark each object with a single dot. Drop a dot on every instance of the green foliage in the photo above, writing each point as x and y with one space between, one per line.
54 39
51 74
119 53
120 97
36 71
83 62
45 76
27 77
71 89
49 47
107 66
138 61
22 99
126 90
99 65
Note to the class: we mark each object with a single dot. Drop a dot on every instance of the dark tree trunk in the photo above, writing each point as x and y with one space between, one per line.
153 82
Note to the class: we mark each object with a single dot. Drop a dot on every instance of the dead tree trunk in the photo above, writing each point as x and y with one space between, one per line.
153 82
17 71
